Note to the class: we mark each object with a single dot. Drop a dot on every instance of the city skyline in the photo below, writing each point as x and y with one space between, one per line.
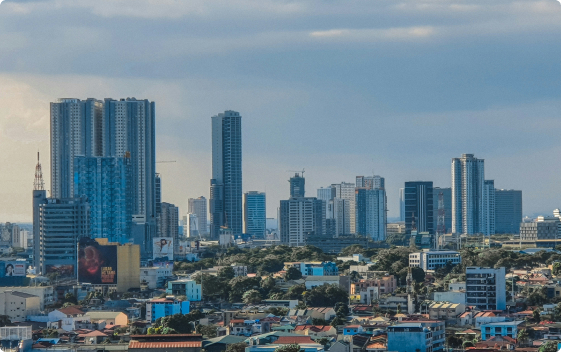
292 66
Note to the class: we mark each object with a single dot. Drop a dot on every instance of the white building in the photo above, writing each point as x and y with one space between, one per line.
486 288
18 305
473 201
191 226
432 260
345 211
299 218
154 277
46 294
198 207
188 288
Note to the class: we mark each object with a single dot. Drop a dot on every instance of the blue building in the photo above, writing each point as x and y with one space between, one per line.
425 336
255 214
163 307
314 268
105 183
351 330
504 328
418 198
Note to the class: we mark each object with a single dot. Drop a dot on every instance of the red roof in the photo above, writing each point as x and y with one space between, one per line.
72 310
161 300
314 328
184 344
94 333
289 340
352 327
237 321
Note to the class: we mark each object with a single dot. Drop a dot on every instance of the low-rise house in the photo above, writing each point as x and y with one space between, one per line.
392 302
306 344
326 313
316 330
351 330
314 268
111 318
163 307
315 281
220 344
385 285
506 328
446 311
166 343
155 277
340 346
188 288
497 342
287 303
424 336
67 318
451 296
93 337
481 318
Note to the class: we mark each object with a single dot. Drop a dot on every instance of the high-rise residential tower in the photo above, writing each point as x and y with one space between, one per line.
468 183
371 213
297 186
344 204
111 128
508 211
168 224
418 197
39 198
402 204
447 203
371 182
488 222
105 183
255 214
198 206
226 183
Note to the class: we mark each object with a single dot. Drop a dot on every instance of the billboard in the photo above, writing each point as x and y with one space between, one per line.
60 269
163 247
12 268
97 264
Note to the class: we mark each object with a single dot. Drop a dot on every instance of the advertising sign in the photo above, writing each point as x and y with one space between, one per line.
97 264
12 268
163 247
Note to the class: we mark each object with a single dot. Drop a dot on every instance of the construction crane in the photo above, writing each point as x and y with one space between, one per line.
297 171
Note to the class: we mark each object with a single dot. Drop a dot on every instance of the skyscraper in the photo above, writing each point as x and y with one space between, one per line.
371 213
401 204
226 183
255 213
105 183
447 200
418 197
468 181
371 182
488 222
508 211
109 128
39 198
297 186
168 224
345 211
301 217
198 206
190 226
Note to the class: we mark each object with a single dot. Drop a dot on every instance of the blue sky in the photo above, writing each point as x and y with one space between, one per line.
340 88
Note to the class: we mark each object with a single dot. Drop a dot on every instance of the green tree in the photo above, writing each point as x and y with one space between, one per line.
239 285
338 320
293 274
107 341
523 336
319 321
70 298
324 340
536 315
236 347
454 341
548 347
5 321
226 273
278 311
288 348
209 331
418 274
326 296
252 297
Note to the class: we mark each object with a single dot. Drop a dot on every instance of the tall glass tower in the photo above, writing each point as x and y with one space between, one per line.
255 213
226 183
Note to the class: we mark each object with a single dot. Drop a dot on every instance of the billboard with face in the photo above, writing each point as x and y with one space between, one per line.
97 264
163 247
12 268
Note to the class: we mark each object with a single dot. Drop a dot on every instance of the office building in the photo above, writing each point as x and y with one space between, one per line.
226 183
486 288
105 183
432 260
402 204
255 214
468 183
336 212
198 206
544 228
422 336
163 307
18 305
297 186
61 222
191 226
418 197
447 203
508 211
488 221
371 213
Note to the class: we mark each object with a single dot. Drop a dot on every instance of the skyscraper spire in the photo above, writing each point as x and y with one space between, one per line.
38 184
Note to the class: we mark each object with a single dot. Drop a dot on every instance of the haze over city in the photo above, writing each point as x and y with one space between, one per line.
390 88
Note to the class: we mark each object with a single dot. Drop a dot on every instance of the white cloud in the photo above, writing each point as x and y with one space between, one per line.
368 35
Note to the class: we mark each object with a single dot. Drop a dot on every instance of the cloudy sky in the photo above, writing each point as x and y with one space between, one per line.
340 88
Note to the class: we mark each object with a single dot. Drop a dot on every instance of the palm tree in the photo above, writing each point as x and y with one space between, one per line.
523 336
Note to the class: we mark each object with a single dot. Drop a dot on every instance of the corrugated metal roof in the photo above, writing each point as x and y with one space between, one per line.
136 344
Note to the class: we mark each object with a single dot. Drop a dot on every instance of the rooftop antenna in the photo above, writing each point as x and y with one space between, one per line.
38 184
